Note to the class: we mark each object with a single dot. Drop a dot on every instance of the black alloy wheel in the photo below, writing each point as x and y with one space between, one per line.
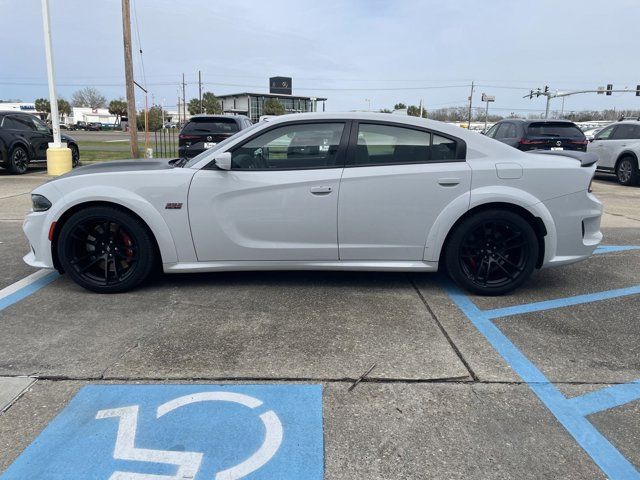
18 160
105 250
75 156
492 253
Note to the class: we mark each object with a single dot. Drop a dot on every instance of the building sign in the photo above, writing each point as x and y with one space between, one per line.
280 85
31 108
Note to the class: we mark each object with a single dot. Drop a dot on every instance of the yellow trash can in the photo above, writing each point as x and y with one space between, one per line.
58 160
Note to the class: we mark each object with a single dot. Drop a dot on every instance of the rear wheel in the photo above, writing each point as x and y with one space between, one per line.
627 171
75 156
492 252
106 250
18 160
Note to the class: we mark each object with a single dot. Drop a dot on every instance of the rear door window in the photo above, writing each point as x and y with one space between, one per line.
218 125
554 129
626 131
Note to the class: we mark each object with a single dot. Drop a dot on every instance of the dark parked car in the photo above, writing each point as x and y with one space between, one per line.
24 139
203 131
539 134
94 126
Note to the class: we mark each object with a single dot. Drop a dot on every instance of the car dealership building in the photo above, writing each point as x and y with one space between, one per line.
251 104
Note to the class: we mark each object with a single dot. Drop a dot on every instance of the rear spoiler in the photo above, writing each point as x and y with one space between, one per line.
586 159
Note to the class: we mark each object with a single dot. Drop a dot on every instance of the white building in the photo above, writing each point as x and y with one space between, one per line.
25 107
88 114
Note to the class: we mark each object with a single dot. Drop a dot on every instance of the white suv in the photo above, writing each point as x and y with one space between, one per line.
618 150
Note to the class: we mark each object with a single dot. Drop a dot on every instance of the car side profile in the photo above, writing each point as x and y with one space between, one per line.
24 139
618 149
319 191
528 135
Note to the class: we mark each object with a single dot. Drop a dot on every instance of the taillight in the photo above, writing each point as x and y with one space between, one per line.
579 142
524 141
182 136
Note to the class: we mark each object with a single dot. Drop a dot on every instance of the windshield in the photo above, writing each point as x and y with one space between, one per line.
551 129
220 146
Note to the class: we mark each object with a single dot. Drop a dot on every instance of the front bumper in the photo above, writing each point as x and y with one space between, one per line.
36 228
577 227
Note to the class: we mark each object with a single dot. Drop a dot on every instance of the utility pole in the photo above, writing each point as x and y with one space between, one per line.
184 100
128 74
470 106
200 88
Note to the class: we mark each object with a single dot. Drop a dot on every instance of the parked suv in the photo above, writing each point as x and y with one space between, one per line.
24 139
204 131
618 150
539 134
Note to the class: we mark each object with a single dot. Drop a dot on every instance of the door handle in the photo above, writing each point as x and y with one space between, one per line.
322 190
448 182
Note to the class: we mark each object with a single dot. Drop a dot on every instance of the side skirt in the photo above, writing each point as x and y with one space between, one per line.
360 265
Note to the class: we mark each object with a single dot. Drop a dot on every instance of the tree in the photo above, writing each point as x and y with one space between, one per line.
118 108
211 104
43 105
155 118
88 97
194 106
399 106
64 108
273 106
385 110
414 111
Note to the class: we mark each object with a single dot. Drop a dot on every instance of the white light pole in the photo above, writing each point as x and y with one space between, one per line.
58 155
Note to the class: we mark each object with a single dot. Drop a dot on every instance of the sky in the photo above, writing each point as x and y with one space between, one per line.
360 54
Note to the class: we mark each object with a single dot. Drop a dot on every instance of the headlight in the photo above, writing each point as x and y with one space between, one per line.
40 203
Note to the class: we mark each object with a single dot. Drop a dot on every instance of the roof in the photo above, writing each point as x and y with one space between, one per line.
534 120
211 117
276 95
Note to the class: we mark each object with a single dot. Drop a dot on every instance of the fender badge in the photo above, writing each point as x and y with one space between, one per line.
173 206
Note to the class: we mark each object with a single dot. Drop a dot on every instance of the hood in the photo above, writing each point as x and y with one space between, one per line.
121 166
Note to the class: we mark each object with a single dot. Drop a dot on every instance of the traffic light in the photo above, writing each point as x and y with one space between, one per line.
609 88
637 90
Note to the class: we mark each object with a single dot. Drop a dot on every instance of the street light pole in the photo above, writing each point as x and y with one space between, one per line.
58 155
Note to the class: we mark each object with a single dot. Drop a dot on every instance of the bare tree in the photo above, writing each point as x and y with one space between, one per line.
88 97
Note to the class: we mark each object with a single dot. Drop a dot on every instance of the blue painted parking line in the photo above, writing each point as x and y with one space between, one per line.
615 248
25 287
606 398
603 453
163 432
561 302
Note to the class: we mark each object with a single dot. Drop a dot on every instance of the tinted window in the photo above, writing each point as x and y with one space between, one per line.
554 129
18 123
291 147
506 130
385 145
216 125
40 125
491 133
626 131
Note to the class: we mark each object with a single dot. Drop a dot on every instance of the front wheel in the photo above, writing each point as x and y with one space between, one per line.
627 171
18 160
492 252
106 250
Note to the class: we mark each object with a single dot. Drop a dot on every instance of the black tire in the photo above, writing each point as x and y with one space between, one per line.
18 160
106 250
492 252
627 171
75 156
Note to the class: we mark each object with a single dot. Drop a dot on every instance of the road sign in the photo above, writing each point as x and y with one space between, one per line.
173 432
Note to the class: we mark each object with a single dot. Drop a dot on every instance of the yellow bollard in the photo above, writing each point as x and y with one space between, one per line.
58 160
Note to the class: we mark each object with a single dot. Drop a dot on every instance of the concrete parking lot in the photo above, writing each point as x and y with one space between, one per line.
543 383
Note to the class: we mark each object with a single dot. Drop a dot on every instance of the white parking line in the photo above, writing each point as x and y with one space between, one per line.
25 287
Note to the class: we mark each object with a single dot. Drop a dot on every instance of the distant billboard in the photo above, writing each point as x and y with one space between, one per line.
280 85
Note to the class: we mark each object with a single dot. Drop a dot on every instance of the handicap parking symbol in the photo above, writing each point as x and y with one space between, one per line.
177 432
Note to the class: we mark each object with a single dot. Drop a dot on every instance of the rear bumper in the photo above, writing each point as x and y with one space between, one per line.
577 227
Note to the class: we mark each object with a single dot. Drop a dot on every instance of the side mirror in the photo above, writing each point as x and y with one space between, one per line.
223 160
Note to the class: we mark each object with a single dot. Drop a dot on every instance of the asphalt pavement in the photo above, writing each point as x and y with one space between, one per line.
542 383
